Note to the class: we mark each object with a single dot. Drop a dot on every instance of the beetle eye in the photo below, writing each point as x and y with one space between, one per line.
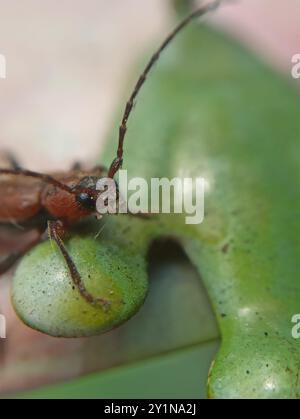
86 201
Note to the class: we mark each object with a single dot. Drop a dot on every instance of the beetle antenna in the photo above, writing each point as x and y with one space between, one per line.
117 162
43 177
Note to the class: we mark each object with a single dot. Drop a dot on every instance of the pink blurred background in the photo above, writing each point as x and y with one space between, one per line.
67 65
68 61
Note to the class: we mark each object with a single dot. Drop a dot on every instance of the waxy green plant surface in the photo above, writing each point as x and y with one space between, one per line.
210 109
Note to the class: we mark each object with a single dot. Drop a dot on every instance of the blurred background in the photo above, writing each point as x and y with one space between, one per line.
68 66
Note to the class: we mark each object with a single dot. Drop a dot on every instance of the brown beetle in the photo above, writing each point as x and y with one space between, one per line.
55 202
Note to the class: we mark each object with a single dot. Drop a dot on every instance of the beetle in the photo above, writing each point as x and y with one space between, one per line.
242 132
54 202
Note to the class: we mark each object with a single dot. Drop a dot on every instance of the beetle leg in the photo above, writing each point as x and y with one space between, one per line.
10 260
13 161
55 232
9 160
76 166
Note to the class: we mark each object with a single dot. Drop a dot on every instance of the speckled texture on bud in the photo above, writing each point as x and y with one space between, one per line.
46 299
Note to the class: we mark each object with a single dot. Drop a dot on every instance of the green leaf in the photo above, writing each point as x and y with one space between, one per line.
211 109
227 117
